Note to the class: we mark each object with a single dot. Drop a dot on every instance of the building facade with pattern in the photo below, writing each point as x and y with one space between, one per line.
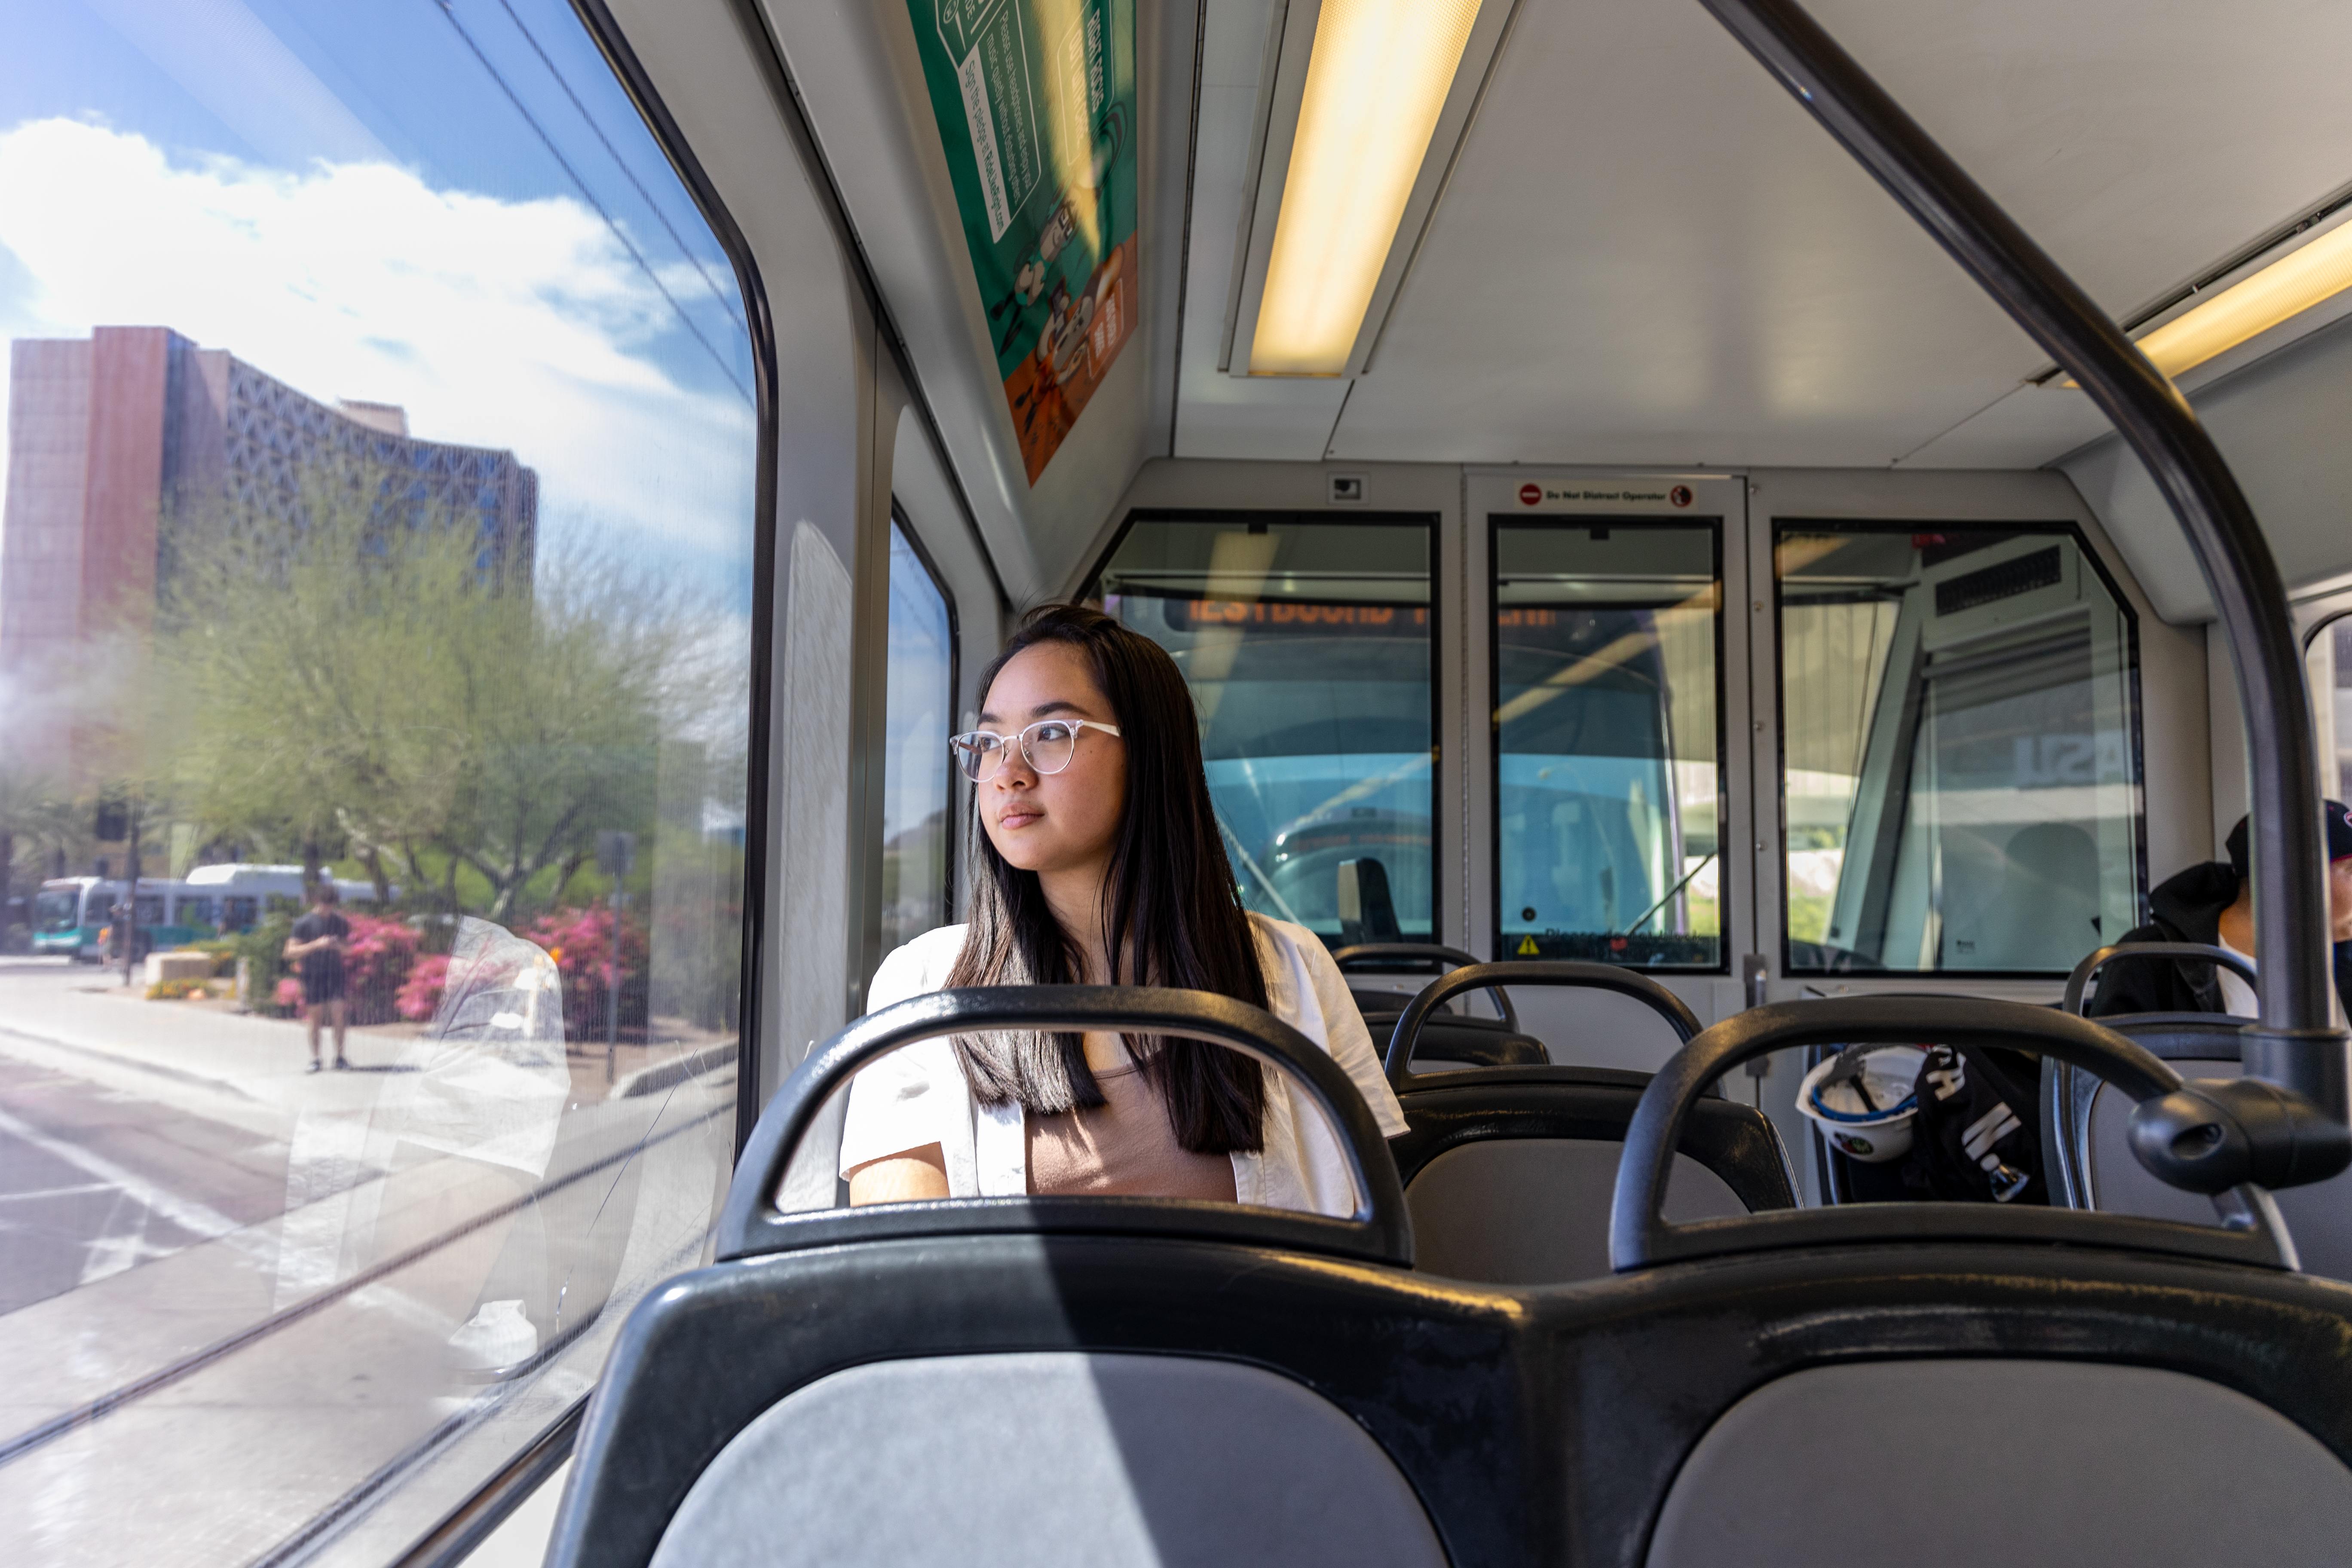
106 433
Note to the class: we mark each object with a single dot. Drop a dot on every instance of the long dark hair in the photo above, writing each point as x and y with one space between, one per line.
1173 916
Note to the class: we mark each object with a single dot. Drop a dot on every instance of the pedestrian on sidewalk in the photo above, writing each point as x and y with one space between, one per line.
317 945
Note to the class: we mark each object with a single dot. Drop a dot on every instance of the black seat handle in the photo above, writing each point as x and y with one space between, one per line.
1639 1233
1556 971
1371 955
751 1222
2080 980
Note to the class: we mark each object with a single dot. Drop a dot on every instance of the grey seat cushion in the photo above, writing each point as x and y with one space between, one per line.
1051 1459
2319 1217
1535 1211
2003 1464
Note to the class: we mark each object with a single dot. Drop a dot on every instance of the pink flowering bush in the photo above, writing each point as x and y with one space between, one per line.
377 961
582 944
288 994
420 993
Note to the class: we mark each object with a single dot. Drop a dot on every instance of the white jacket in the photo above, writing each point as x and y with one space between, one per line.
917 1095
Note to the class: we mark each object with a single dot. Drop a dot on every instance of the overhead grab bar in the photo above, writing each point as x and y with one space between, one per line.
2296 1044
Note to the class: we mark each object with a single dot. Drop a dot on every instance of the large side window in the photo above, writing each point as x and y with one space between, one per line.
1306 642
915 768
1959 749
1608 783
376 598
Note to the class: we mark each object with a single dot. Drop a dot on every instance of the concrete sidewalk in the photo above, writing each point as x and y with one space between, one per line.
245 1068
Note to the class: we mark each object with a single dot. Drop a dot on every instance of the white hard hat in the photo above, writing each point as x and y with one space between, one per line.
1864 1101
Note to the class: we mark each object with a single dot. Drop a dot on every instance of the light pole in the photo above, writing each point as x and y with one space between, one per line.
616 857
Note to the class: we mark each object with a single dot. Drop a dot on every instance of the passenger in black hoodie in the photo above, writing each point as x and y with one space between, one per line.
2203 903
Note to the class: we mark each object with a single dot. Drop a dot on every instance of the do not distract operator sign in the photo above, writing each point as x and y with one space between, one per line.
1035 106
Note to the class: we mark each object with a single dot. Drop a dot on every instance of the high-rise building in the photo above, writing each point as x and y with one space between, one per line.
106 433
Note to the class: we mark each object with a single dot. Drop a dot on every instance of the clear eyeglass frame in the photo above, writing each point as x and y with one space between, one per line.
1047 746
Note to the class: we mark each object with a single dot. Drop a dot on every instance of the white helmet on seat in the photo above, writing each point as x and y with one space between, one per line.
1864 1100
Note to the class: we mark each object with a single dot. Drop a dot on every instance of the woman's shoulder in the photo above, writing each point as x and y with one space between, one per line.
1286 937
916 967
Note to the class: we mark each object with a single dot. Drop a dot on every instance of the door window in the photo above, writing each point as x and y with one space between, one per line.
1306 642
1959 749
1607 680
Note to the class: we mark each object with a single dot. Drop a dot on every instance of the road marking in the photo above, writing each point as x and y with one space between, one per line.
324 1164
189 1215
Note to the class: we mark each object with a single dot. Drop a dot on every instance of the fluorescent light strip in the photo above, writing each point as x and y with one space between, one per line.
2292 284
1376 82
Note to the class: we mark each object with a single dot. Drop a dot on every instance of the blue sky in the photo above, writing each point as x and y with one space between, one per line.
346 196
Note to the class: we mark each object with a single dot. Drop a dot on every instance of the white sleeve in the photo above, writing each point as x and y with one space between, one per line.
915 1095
1349 1042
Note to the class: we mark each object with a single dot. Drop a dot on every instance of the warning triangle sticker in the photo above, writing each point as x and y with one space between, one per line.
1527 946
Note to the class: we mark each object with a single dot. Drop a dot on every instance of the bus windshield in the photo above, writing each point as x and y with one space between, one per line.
57 909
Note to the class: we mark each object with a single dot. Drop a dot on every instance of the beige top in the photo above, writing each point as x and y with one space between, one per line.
917 1095
1122 1149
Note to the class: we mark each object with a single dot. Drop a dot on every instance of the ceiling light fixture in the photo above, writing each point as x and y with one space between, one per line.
1376 82
2310 274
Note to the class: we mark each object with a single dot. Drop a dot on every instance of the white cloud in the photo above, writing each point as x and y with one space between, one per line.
517 324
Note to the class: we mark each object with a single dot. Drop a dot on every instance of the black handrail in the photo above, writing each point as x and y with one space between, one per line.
1371 955
2296 1044
1559 971
2081 978
1639 1233
751 1222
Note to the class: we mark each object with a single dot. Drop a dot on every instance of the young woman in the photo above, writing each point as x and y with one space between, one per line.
1100 863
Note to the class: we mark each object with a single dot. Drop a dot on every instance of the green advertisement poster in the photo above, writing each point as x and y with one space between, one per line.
1036 105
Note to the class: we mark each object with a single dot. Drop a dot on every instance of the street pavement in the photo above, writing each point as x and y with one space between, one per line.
217 1255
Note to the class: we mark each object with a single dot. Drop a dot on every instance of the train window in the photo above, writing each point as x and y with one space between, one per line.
1959 749
1307 644
916 769
380 448
1608 786
2327 658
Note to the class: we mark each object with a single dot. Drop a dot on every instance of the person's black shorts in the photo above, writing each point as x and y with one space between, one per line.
322 984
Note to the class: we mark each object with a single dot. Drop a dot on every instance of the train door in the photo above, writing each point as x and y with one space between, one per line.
1609 789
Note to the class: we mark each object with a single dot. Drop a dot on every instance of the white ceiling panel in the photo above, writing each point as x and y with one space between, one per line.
1650 254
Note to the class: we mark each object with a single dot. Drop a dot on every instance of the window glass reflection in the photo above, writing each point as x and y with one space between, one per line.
376 581
1960 749
1307 645
1607 787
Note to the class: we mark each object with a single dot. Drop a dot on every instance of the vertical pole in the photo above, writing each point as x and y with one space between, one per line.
131 904
613 985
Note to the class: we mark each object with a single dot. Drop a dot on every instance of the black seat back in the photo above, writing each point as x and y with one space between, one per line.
2094 1167
1508 1171
1054 1380
1448 1035
1914 1385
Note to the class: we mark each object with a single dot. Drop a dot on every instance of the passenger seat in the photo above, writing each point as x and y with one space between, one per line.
2092 1167
1508 1170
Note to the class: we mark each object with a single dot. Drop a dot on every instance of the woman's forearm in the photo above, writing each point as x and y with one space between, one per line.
916 1177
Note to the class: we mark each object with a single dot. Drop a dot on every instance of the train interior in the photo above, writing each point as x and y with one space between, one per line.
1609 541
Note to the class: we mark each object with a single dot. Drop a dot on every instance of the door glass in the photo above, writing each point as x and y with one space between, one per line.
1608 786
1960 749
915 768
1307 645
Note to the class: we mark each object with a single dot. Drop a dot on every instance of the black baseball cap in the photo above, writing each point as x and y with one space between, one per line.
2338 818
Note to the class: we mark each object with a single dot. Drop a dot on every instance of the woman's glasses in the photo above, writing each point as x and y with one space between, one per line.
1047 746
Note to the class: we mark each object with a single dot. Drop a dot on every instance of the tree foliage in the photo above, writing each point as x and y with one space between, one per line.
335 678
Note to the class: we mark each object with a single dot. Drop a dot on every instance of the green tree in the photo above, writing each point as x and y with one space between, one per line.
342 682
